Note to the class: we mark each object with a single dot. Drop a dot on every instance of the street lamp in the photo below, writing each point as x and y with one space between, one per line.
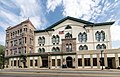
101 61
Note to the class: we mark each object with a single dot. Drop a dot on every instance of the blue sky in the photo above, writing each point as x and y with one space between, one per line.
43 13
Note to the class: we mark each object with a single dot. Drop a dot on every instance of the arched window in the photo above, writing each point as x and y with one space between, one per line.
97 36
57 39
43 40
70 47
57 49
80 47
68 35
80 36
103 46
84 37
43 50
68 27
85 47
53 39
53 49
67 47
39 40
39 50
98 46
102 35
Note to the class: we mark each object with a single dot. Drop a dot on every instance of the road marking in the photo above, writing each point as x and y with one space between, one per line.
61 74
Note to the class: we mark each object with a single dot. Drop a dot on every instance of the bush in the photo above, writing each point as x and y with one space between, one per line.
107 67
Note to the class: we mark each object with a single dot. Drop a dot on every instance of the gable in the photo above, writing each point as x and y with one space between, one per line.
70 20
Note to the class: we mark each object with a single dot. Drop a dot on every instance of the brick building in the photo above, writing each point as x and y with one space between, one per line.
71 42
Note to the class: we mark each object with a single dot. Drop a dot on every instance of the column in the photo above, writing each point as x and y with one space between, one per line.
98 60
105 60
76 61
9 63
82 61
55 61
39 62
61 60
16 62
28 62
13 62
116 60
49 62
91 60
33 62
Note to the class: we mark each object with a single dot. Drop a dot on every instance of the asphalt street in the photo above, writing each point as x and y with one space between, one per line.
58 73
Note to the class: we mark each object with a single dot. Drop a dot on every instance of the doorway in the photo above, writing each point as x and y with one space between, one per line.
45 62
111 63
69 62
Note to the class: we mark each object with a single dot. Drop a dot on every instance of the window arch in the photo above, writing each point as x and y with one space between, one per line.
57 39
39 40
43 40
103 46
68 35
67 47
43 50
53 49
97 36
98 46
39 50
68 27
84 37
70 47
85 47
80 47
57 49
80 37
53 39
102 35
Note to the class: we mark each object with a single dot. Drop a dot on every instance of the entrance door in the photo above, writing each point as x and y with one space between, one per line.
111 63
69 62
44 61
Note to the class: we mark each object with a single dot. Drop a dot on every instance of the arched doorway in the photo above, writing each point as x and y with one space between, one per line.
69 62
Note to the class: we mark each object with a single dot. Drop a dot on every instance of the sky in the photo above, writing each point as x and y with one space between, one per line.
43 13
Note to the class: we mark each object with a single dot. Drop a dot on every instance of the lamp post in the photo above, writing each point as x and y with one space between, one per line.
101 59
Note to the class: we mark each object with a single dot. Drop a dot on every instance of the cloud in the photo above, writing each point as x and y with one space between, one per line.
91 10
13 12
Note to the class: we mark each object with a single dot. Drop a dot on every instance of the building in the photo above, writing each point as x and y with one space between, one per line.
19 41
69 42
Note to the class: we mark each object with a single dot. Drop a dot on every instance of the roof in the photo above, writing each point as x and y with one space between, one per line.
38 31
26 21
70 18
81 21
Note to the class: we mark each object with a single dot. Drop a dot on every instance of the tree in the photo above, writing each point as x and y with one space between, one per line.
2 59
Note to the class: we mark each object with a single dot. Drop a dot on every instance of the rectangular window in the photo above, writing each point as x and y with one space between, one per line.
94 61
53 62
58 62
36 62
87 61
25 39
79 62
14 62
31 62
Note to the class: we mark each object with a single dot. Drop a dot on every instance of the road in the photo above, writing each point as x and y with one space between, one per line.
59 73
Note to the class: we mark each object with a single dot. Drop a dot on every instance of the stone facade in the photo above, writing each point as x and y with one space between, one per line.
70 42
